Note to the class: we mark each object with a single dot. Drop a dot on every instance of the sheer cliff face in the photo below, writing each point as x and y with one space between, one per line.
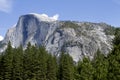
29 29
77 39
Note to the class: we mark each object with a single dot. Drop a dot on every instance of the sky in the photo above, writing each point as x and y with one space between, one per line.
107 11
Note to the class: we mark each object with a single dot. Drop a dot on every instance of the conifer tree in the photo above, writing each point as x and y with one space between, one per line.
66 68
27 62
114 58
85 70
51 68
18 64
100 64
8 62
1 67
42 62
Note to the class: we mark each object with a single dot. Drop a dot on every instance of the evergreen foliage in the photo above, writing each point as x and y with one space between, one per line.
8 63
66 67
114 58
85 70
51 68
100 64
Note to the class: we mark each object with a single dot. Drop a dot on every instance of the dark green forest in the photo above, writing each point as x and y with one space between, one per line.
35 63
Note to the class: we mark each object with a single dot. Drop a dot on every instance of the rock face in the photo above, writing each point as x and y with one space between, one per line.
79 39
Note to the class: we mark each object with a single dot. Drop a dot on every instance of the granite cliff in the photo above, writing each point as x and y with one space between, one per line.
79 39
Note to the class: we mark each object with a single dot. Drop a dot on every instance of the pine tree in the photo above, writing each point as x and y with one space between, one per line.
18 64
8 62
42 62
85 70
34 63
1 67
66 67
27 62
51 68
101 66
114 58
114 64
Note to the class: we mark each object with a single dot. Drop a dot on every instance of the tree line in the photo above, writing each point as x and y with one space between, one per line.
35 63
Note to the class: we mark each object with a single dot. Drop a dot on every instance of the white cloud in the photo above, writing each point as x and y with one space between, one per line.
1 38
6 5
45 17
55 17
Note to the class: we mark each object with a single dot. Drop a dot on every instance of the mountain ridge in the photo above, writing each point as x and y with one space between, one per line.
79 39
